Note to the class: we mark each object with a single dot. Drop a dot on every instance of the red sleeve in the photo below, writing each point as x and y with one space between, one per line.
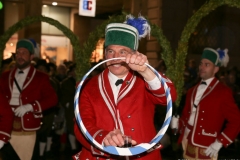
6 119
88 117
231 114
160 94
48 96
84 142
183 120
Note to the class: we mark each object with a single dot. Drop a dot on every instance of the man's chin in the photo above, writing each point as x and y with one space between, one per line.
114 69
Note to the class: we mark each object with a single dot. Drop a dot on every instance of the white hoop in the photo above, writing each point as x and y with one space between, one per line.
135 150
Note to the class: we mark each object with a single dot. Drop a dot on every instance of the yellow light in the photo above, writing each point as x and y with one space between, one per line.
54 3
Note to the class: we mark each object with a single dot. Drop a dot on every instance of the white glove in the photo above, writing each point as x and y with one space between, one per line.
213 149
174 122
1 144
21 110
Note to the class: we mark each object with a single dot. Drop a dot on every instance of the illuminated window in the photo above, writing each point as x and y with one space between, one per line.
97 54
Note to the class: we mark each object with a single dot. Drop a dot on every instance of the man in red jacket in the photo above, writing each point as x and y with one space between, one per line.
28 92
121 100
208 106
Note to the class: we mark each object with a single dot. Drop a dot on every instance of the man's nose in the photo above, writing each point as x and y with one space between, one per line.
19 54
201 67
116 54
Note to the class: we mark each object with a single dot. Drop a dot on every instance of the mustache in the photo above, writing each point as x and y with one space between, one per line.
121 63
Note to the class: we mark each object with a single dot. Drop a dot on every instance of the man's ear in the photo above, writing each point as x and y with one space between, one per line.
32 56
216 69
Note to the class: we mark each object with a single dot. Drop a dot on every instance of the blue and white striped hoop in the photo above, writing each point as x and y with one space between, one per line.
135 150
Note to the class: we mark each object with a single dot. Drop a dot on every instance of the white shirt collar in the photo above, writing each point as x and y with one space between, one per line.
26 70
113 78
208 81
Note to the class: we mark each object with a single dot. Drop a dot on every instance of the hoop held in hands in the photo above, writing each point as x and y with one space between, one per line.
135 150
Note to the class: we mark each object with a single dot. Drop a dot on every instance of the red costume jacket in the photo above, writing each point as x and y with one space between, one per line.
134 112
214 109
36 91
6 119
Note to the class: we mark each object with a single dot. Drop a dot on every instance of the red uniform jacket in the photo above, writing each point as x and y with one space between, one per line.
36 91
134 112
215 109
6 119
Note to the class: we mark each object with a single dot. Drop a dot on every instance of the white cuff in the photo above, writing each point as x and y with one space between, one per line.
154 84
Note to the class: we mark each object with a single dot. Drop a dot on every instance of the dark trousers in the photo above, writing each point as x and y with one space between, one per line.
8 153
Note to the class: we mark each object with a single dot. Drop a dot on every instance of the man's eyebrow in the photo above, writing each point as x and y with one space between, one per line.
124 50
204 63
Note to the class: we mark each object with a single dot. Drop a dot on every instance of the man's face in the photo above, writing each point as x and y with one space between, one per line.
207 69
117 67
23 58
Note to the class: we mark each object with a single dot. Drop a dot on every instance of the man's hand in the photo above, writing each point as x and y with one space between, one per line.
213 149
1 144
136 62
115 138
21 110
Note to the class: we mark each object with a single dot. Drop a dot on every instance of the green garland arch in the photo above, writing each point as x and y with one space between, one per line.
188 30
